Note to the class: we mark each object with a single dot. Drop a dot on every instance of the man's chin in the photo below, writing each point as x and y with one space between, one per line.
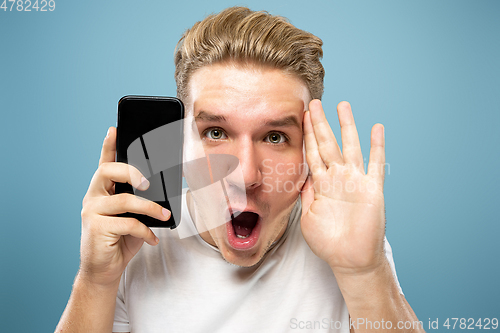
241 258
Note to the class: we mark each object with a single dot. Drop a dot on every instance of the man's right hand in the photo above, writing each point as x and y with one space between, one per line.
109 242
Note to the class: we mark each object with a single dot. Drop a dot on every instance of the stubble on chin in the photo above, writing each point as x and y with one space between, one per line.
217 233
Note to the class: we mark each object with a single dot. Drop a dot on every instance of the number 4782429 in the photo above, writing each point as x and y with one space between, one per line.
471 323
28 6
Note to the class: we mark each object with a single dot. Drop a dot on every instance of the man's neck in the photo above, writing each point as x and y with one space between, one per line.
205 235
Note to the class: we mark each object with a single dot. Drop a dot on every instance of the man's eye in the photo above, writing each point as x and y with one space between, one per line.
215 134
276 138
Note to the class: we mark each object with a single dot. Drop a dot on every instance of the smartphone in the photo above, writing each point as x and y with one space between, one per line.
150 137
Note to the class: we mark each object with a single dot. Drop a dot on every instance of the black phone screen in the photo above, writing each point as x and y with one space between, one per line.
150 137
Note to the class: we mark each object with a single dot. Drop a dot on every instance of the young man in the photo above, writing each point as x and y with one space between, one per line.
296 248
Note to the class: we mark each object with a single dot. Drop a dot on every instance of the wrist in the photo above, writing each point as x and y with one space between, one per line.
377 281
363 266
84 281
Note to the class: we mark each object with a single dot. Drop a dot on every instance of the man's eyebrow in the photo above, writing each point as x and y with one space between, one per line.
284 122
206 116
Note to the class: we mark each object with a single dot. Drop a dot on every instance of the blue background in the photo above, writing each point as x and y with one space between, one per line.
428 70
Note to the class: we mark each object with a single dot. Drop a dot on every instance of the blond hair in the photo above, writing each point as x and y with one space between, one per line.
242 35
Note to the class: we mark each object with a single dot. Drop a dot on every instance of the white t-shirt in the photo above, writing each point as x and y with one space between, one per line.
184 285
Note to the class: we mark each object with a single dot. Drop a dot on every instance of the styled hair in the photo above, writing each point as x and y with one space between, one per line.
242 35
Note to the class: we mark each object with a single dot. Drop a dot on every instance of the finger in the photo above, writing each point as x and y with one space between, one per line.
376 164
121 226
108 151
111 172
126 202
328 147
351 149
313 157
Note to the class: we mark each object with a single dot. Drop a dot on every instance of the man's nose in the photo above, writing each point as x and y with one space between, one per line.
250 165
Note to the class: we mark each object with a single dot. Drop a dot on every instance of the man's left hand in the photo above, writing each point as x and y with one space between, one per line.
343 217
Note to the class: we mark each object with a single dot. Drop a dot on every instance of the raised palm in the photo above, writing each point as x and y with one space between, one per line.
343 217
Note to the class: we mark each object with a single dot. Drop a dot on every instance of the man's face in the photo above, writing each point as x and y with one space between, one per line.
255 114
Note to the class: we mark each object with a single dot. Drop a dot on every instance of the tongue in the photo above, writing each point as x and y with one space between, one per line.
244 223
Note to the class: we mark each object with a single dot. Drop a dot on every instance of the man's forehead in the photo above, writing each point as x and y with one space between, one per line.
227 103
231 86
275 111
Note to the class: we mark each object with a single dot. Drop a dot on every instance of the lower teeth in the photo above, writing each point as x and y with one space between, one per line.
242 237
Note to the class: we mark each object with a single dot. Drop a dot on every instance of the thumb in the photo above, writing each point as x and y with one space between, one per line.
307 195
108 151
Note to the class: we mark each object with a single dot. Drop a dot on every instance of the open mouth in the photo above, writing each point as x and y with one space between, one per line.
243 230
244 223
